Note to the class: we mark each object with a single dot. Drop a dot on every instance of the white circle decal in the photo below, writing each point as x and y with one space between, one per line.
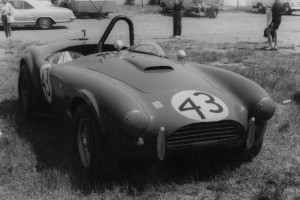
199 106
45 80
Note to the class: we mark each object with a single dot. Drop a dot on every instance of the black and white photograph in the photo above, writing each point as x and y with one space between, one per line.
150 99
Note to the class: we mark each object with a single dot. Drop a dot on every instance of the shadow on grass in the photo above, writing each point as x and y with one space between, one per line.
7 108
51 141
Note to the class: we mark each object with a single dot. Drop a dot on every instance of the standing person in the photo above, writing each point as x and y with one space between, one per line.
269 4
7 10
177 18
276 20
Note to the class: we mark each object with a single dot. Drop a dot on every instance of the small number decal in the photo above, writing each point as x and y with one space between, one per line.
45 81
199 105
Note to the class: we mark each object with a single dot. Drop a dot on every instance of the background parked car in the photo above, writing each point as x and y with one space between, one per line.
195 7
47 3
93 8
288 6
35 13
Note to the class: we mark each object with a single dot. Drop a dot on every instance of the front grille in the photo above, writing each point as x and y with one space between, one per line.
205 133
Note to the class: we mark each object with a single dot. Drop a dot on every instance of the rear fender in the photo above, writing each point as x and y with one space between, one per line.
28 60
286 4
52 20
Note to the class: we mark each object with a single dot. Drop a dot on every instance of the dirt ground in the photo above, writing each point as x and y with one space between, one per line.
228 27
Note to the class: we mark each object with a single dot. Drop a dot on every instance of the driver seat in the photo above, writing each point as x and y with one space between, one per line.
63 56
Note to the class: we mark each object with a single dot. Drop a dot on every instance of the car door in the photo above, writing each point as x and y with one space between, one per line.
29 13
23 13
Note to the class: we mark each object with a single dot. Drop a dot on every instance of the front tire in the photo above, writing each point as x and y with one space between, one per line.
44 22
92 152
248 155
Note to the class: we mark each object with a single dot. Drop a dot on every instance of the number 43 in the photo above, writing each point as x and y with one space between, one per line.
189 104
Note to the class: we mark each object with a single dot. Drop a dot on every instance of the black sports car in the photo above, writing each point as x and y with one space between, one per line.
134 102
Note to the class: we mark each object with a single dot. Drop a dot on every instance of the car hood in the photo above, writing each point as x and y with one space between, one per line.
171 86
149 74
188 92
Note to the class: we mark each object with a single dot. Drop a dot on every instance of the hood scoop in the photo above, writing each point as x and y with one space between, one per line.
146 63
154 68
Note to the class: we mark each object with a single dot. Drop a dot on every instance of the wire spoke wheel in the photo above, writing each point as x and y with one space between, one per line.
44 23
84 142
92 155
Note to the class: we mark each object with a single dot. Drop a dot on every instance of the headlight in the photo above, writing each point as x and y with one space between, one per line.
264 109
135 122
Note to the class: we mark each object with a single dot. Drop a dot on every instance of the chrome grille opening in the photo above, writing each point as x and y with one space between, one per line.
205 133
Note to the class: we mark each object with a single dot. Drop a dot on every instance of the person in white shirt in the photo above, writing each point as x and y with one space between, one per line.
7 11
269 4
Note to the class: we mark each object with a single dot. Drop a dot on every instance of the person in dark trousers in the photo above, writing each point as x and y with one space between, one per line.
7 10
177 18
276 20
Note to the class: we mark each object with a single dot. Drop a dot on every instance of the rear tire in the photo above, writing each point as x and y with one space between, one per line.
44 22
25 91
287 9
260 7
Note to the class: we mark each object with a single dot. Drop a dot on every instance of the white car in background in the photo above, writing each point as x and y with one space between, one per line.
169 4
288 6
35 13
46 2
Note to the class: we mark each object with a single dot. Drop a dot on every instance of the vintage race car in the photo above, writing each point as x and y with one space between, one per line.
133 102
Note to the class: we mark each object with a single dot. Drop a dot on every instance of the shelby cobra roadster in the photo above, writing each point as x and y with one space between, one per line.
133 102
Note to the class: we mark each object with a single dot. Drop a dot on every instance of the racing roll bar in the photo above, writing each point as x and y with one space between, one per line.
110 27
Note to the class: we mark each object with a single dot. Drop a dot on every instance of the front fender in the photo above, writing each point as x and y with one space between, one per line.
238 85
85 96
27 59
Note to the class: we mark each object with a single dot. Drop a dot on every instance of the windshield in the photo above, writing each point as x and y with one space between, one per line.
149 48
